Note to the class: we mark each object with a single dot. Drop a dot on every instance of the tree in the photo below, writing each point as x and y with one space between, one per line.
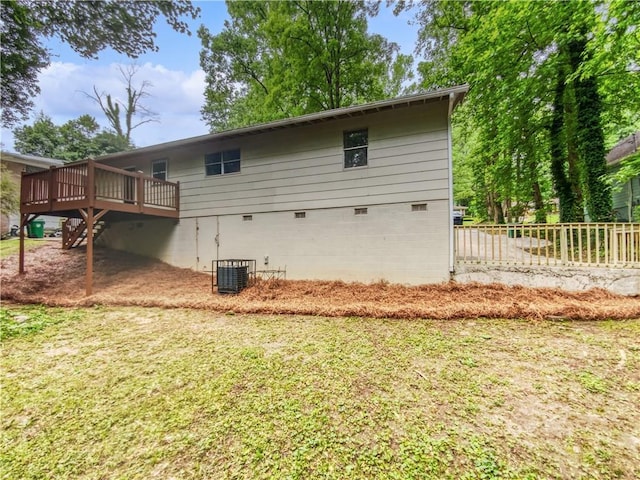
40 139
462 45
537 71
74 140
22 59
9 193
130 108
88 27
566 190
280 59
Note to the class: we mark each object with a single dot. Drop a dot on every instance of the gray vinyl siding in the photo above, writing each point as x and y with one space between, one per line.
625 197
302 168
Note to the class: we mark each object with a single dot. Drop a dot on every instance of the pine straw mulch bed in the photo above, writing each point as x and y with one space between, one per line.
55 277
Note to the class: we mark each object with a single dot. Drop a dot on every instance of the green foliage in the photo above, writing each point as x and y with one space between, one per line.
590 139
75 140
280 59
9 192
614 59
516 57
26 321
23 56
629 168
88 28
463 186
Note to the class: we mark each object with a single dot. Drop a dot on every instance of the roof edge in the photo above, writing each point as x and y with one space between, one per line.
31 160
623 149
458 92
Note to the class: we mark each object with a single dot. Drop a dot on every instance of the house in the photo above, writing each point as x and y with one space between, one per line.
626 197
360 193
16 164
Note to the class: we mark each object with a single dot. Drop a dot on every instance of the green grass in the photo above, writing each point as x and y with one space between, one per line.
32 319
11 246
115 393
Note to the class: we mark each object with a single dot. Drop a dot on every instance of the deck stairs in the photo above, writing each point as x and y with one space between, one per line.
74 232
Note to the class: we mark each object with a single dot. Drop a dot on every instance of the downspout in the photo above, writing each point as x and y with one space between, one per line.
217 239
197 245
450 161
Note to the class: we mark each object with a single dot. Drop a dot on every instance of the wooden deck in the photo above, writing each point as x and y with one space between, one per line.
93 194
64 191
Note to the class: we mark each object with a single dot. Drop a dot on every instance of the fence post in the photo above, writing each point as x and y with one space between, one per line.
615 254
564 254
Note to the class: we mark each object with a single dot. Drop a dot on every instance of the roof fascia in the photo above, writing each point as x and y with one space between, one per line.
453 94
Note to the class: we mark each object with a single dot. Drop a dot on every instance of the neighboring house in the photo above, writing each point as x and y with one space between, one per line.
359 193
627 196
16 164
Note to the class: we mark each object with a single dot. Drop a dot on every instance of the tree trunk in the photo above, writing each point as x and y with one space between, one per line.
590 139
561 183
538 201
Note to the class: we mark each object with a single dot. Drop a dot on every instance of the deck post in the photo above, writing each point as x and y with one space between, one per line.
91 184
140 190
52 186
89 278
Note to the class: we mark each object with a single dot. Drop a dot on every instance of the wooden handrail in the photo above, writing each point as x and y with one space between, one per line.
89 183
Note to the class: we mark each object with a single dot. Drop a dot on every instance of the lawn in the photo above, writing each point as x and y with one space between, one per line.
138 393
11 246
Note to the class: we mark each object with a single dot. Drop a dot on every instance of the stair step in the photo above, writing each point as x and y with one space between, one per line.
74 236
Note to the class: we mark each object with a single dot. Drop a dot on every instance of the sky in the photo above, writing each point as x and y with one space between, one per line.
177 82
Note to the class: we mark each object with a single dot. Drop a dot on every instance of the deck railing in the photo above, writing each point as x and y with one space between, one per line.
90 182
572 244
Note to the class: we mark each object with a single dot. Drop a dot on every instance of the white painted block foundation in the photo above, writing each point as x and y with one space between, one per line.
392 242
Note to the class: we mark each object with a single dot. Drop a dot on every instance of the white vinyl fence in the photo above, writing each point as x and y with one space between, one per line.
614 245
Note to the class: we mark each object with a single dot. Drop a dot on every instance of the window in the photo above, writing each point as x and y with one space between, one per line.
419 207
247 218
360 211
300 214
222 163
355 148
159 169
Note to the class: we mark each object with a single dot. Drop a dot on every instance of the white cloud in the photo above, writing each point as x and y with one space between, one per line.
176 96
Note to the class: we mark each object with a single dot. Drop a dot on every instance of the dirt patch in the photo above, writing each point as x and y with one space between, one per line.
56 277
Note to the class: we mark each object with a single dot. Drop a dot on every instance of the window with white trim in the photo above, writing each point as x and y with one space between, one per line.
356 143
222 163
159 169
